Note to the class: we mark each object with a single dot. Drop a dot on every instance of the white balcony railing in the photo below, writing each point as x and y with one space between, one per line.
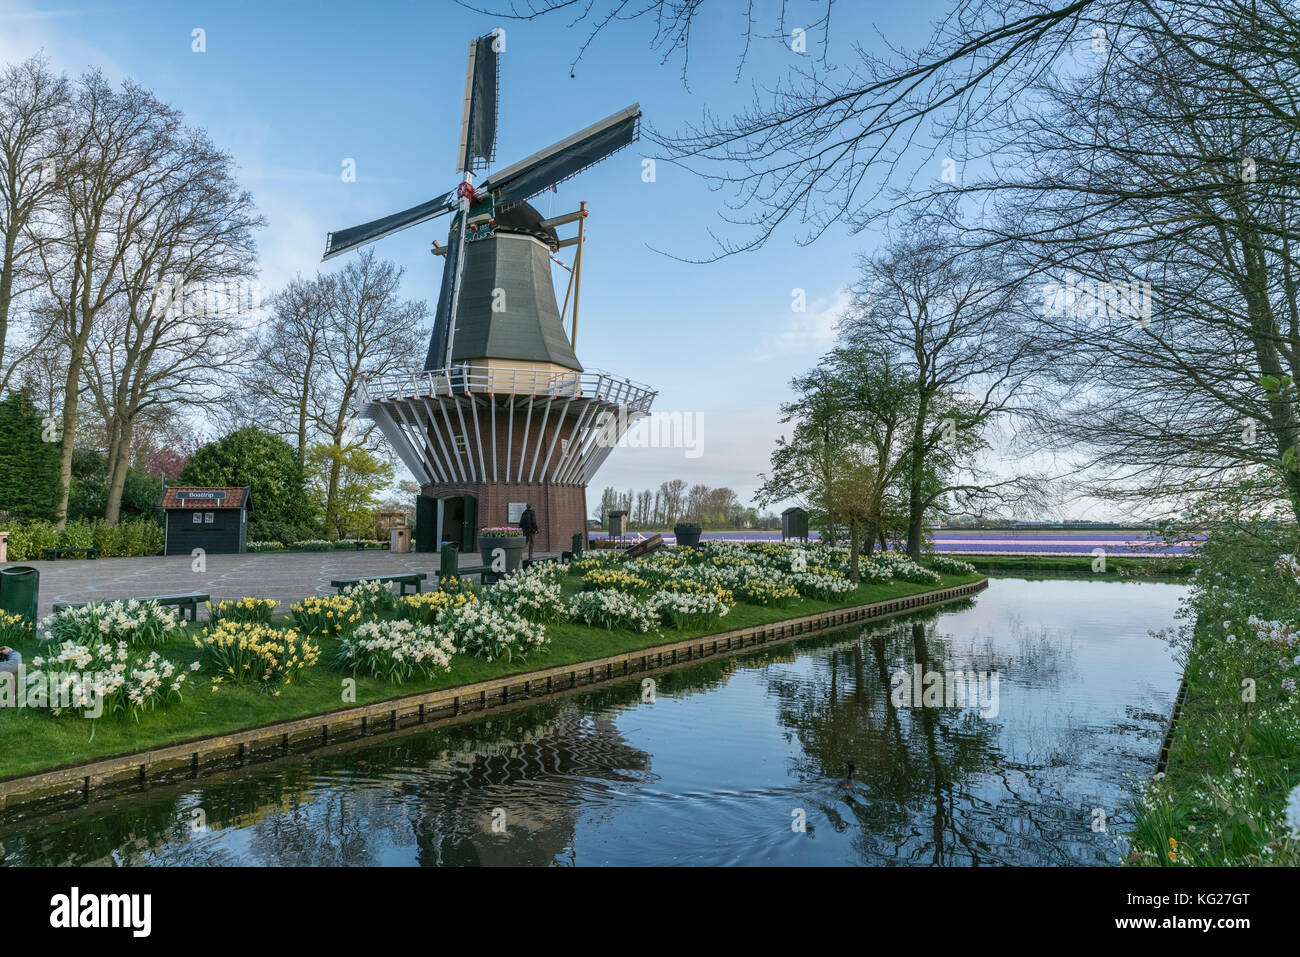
505 380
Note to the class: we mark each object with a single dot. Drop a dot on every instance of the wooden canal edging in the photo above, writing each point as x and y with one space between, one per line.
78 783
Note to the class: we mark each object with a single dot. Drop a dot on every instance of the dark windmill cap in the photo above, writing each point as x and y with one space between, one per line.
524 219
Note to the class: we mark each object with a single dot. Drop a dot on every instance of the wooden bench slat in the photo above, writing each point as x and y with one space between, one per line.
188 601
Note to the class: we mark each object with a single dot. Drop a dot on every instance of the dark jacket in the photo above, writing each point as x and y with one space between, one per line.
528 521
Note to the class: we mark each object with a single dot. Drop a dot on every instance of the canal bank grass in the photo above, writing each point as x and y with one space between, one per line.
36 741
1228 792
1143 566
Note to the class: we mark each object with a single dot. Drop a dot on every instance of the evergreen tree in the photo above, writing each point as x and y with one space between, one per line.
264 461
29 464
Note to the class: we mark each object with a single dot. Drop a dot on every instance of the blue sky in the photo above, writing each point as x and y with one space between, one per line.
292 89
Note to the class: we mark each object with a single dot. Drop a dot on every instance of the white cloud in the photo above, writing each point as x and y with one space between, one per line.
809 331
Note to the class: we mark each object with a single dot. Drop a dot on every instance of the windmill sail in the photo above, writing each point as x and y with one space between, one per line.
566 158
478 125
347 239
437 357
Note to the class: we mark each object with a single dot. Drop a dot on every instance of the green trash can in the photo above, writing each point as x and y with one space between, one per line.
19 585
448 563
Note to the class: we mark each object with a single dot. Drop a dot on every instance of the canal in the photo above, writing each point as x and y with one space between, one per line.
1013 728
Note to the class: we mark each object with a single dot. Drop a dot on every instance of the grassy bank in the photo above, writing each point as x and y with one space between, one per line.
37 740
1154 566
1229 793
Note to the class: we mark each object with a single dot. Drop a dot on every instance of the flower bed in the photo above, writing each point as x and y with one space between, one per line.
489 631
423 608
534 593
82 678
332 615
130 622
609 608
15 629
396 651
256 610
251 652
372 598
685 609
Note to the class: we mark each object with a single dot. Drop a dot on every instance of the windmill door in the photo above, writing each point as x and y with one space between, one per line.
469 523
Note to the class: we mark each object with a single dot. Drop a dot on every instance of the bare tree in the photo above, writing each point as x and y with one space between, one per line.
33 107
111 158
371 331
289 362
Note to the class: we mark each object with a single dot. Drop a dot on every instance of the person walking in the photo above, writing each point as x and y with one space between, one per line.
528 525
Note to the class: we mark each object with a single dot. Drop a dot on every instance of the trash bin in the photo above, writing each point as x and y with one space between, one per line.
19 585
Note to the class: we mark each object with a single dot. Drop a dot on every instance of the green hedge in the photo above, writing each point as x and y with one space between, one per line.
129 538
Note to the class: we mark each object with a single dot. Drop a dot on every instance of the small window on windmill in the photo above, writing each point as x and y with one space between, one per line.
564 446
461 447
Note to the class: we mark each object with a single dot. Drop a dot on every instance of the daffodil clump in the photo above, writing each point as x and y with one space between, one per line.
533 593
252 653
373 598
489 631
592 561
423 607
610 608
685 609
758 591
81 677
689 586
615 578
257 610
14 628
131 622
396 650
903 568
332 615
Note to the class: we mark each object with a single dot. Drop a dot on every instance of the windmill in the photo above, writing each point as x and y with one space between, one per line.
502 414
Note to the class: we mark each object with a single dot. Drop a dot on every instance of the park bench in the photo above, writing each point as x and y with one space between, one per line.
410 578
486 576
651 544
188 603
52 553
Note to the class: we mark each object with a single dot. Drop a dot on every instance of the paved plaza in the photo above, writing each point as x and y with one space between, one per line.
287 577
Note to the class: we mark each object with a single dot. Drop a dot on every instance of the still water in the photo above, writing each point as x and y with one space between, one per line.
731 762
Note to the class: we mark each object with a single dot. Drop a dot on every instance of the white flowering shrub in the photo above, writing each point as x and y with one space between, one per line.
609 608
373 598
951 566
128 621
534 593
489 631
685 609
396 650
822 587
904 569
77 676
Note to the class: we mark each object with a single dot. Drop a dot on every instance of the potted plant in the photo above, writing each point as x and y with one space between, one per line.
508 538
688 534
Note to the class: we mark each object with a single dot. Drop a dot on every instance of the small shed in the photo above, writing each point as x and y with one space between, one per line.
617 523
794 524
214 519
